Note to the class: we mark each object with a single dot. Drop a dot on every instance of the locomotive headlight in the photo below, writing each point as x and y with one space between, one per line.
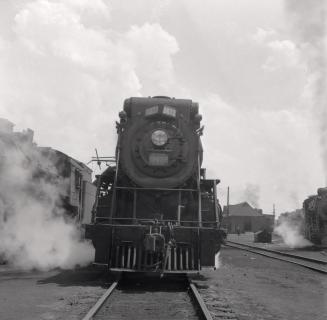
159 138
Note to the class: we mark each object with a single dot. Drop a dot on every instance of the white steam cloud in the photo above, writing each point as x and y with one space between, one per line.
290 229
34 232
309 23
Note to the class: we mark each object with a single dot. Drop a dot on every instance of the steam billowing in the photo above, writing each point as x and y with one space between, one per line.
34 232
291 235
309 21
290 228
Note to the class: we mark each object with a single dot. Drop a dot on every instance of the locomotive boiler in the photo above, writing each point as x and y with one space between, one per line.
155 211
315 217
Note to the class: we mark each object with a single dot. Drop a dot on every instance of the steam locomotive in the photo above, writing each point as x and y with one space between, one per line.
155 211
315 217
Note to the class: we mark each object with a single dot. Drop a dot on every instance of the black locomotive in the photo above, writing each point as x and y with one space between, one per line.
155 210
315 217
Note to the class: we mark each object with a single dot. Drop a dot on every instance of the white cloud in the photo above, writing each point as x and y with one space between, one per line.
261 147
261 35
53 28
95 5
152 47
281 54
73 76
284 54
308 25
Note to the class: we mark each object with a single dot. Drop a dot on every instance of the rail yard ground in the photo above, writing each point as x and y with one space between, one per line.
256 287
245 286
49 295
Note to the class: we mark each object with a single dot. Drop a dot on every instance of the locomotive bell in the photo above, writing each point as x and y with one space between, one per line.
197 118
123 116
322 192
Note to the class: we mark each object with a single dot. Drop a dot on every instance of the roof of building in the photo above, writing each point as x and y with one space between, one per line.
242 209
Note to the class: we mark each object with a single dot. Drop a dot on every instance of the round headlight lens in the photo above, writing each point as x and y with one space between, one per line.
159 138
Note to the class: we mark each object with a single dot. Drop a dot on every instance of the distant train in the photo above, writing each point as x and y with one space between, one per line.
155 210
315 217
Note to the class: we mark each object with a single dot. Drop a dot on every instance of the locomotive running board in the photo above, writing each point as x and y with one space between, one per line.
155 271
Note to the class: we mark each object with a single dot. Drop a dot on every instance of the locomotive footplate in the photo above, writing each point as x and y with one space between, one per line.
159 248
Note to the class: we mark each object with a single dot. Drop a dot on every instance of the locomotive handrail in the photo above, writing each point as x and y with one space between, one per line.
142 226
161 220
147 219
102 159
106 157
156 189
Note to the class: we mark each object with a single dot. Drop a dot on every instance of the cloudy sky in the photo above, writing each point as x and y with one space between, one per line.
256 68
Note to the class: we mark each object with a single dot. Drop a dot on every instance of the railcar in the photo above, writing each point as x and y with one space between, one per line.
74 181
72 178
315 217
155 211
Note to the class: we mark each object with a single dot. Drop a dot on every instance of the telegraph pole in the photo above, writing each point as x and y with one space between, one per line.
228 201
274 213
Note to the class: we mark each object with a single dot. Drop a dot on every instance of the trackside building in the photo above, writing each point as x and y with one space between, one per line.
245 218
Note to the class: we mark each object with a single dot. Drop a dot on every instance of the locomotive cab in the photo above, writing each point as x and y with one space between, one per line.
155 210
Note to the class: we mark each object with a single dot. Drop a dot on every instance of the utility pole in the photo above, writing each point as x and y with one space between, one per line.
228 201
274 213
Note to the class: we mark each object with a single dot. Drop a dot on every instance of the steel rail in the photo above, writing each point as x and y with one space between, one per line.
199 301
200 305
276 255
291 255
93 311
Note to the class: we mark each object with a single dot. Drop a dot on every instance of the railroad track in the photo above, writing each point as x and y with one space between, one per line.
152 298
310 263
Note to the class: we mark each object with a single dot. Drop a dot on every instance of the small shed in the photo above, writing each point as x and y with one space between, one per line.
263 236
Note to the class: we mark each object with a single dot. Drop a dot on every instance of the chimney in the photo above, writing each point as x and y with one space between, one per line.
6 126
